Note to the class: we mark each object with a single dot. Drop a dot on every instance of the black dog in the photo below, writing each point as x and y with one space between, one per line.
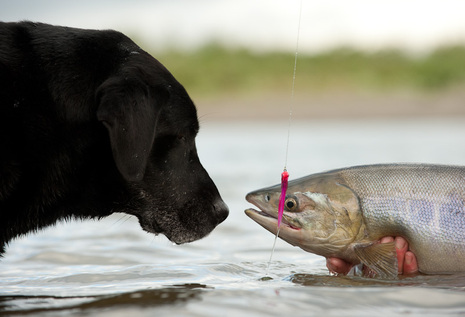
90 124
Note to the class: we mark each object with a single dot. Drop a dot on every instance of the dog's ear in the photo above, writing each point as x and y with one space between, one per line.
130 113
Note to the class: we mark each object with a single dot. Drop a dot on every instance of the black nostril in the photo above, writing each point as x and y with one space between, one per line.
222 210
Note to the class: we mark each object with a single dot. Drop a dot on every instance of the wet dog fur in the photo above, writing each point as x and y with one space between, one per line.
90 124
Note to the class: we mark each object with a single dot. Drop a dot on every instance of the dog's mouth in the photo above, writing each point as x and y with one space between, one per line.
186 223
176 234
150 226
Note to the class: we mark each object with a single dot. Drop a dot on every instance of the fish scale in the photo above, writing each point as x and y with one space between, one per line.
427 208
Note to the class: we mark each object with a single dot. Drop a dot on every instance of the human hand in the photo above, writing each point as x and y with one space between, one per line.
407 262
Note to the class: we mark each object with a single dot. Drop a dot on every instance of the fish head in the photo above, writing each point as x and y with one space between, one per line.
321 214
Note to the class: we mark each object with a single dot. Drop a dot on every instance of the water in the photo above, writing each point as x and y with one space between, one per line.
113 268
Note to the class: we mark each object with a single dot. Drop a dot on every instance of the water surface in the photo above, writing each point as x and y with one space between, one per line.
113 268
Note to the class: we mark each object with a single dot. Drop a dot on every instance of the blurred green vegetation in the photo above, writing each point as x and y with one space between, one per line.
214 70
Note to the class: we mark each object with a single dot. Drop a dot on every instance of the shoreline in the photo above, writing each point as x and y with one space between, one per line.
336 105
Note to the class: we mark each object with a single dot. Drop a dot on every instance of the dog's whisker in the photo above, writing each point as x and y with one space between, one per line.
121 220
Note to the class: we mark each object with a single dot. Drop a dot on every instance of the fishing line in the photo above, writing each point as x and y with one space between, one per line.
285 174
293 87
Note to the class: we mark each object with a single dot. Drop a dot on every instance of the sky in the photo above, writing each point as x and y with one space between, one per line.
416 26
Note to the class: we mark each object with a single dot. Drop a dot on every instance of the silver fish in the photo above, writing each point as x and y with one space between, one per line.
343 213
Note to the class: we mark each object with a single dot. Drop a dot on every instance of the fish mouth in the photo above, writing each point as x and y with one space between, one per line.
268 221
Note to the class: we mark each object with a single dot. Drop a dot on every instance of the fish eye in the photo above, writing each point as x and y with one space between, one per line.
291 203
267 198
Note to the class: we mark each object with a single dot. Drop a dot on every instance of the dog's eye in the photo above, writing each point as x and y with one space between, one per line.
181 137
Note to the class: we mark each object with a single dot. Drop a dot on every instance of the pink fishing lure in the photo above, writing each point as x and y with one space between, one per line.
282 197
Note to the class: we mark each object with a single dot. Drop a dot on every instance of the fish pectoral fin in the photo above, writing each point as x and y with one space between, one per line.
381 258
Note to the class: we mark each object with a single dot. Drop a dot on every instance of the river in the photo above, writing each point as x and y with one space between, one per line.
113 268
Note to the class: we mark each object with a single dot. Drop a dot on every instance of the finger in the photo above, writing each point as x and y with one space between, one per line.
336 265
386 239
410 263
401 248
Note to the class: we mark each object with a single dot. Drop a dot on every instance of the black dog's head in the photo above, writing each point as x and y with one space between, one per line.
152 125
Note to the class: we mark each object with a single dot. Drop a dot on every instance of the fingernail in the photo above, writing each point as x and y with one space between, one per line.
400 243
408 258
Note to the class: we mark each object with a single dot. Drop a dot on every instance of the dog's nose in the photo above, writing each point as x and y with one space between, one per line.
221 209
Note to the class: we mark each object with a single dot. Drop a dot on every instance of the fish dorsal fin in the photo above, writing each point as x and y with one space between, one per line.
381 258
